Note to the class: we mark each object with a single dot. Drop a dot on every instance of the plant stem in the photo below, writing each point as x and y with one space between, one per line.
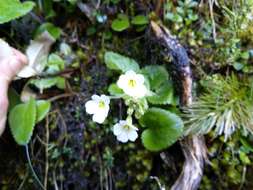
31 167
116 97
46 153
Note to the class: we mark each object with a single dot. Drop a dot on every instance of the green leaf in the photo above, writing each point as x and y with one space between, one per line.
180 10
119 62
139 20
177 18
73 2
115 90
246 144
164 95
22 120
245 55
238 66
244 158
43 108
193 17
48 10
13 9
156 75
121 23
55 63
48 83
52 29
163 129
14 98
55 59
44 83
61 83
159 84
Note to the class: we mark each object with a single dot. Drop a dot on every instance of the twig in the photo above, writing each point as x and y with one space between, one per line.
243 177
41 141
65 128
158 7
158 182
211 3
55 182
66 95
23 182
46 153
31 167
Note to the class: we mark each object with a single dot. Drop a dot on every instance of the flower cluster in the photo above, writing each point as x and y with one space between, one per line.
133 86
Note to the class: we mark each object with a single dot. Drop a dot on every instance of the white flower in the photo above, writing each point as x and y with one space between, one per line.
99 107
132 84
125 131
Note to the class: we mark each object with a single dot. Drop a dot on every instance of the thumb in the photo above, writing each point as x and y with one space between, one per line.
20 57
3 105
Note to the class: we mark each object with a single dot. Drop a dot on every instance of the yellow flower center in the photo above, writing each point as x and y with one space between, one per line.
126 127
132 83
101 104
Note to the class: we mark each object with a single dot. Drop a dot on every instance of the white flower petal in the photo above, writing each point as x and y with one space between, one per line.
123 122
137 88
125 133
122 137
105 98
102 110
140 91
117 129
130 91
122 82
102 114
98 118
91 107
95 97
99 111
132 135
130 72
133 127
106 109
140 79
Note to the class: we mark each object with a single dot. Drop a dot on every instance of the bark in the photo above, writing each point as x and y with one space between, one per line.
193 147
194 150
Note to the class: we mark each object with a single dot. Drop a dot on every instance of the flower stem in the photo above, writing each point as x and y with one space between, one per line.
31 167
116 97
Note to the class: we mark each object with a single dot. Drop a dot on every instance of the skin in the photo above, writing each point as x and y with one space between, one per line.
9 67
